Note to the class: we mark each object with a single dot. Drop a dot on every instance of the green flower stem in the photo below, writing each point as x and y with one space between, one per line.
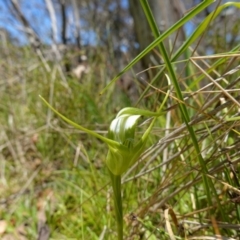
117 198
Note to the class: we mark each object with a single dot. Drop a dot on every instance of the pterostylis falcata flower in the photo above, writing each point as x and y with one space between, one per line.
122 130
124 148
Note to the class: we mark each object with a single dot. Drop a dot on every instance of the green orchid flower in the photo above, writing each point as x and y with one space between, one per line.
124 149
122 130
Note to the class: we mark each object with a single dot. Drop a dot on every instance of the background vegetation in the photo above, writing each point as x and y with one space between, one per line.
54 184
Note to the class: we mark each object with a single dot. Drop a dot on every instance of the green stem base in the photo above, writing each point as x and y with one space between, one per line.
117 197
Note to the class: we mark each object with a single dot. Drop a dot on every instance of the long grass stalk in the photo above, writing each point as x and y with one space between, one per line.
161 38
207 182
182 106
191 39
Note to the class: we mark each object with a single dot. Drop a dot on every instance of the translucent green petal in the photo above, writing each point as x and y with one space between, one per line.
129 111
121 159
122 129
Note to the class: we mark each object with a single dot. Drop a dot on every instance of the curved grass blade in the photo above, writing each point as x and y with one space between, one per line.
163 36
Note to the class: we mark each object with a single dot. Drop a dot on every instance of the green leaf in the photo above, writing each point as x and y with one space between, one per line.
163 36
94 134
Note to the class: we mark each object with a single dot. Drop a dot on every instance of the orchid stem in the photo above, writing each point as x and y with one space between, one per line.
117 197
